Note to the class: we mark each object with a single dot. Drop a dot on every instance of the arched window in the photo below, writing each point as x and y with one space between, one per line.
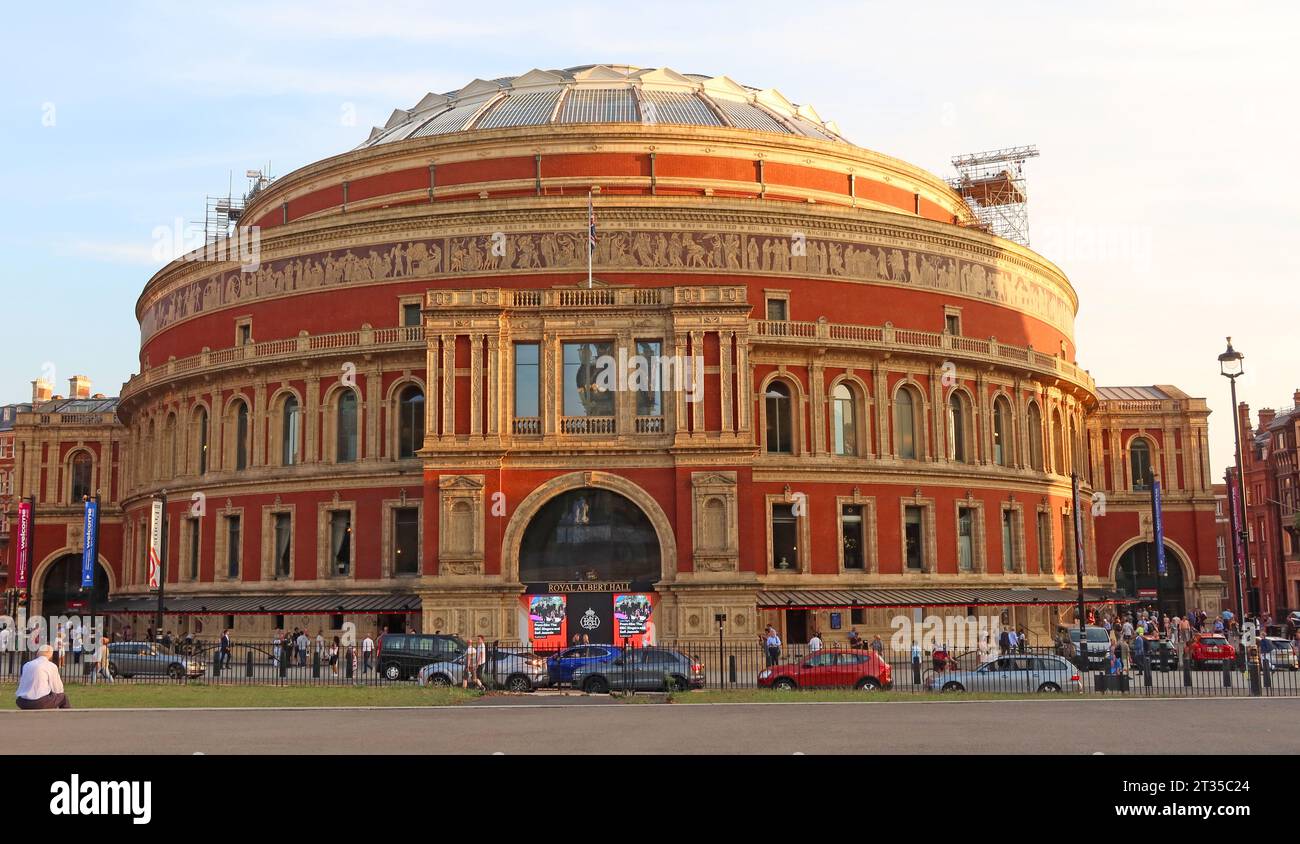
290 431
410 422
957 419
201 452
347 427
907 436
844 425
1058 442
1139 461
241 435
1035 426
1003 442
80 469
780 439
170 447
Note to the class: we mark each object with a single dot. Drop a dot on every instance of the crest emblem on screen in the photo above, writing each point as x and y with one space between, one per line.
589 620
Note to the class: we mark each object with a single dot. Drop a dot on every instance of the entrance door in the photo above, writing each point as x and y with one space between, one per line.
796 627
591 614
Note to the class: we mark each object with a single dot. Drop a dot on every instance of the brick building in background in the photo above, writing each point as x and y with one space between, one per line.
1272 477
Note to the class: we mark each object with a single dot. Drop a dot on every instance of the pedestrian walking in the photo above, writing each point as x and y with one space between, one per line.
303 646
470 672
224 652
367 651
334 656
101 669
320 645
276 646
481 668
878 646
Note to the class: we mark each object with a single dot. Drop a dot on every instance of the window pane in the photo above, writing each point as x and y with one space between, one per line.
965 531
912 537
290 435
648 377
777 399
411 315
241 437
527 381
194 549
957 429
283 545
905 424
785 537
854 538
232 547
347 427
843 425
341 542
584 364
776 309
203 442
81 467
1008 562
410 424
406 540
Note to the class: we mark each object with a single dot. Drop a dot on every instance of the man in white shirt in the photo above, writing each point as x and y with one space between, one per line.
367 651
41 687
6 639
815 643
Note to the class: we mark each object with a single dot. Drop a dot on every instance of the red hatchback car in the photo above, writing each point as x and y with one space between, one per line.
830 668
1209 647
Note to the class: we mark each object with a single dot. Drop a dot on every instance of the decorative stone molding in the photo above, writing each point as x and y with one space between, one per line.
714 526
460 524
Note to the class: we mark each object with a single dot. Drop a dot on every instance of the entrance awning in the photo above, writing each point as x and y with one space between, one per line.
391 602
812 599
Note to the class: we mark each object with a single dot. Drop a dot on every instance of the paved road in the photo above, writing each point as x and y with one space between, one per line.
1022 727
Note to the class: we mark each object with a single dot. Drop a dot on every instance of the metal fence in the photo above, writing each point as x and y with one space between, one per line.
684 666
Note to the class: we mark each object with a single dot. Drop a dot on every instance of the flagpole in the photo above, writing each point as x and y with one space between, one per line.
591 236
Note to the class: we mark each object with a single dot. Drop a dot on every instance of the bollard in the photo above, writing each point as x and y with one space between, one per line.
1255 688
1187 672
1146 673
284 667
216 665
347 668
315 665
248 664
1227 674
1267 669
916 672
731 667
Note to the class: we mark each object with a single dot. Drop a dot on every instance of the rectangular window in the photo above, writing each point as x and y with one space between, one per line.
229 622
411 315
1221 551
341 542
586 368
232 546
854 536
406 540
965 539
785 537
1008 560
952 323
857 616
527 382
912 539
283 545
645 378
279 621
245 333
777 310
336 622
1044 544
193 527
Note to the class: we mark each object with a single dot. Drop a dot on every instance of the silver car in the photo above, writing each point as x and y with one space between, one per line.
1015 673
1283 654
513 671
140 659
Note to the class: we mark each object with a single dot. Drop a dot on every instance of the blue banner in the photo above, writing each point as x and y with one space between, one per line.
91 552
1159 524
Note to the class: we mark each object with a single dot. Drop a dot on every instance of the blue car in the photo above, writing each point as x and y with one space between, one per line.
561 666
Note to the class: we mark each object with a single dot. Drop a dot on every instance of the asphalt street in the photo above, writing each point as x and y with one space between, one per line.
1193 726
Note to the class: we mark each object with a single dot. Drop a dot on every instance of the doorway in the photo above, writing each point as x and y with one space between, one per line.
796 627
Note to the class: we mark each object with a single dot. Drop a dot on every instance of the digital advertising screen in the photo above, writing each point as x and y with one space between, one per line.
632 617
546 614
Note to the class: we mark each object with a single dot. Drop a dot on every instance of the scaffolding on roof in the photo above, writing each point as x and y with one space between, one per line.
993 185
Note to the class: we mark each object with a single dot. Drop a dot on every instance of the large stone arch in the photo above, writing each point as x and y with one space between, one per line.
1189 572
36 582
532 505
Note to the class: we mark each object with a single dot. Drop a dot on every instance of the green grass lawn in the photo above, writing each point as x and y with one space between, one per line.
127 695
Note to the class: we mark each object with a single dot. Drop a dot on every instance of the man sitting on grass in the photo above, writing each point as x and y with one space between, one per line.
40 686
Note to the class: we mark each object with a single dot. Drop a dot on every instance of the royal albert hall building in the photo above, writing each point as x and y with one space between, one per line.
396 420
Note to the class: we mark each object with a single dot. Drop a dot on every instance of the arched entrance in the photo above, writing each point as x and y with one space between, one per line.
61 592
589 549
589 534
1139 586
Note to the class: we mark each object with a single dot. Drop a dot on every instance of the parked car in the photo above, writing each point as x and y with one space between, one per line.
641 669
521 671
1162 654
400 655
830 668
561 666
145 659
1098 647
1206 648
1283 654
1034 673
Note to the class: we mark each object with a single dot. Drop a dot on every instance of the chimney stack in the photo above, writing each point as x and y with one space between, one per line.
1266 417
42 390
78 387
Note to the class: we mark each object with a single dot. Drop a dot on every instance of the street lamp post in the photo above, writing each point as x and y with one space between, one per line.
1230 367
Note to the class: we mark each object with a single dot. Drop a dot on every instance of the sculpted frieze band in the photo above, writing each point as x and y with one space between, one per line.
682 251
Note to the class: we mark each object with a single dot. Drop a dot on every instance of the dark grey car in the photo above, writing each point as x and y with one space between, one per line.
642 670
145 659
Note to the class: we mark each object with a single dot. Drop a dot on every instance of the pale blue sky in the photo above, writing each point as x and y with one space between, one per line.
1164 189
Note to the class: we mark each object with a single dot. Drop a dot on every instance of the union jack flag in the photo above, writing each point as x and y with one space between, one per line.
591 226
